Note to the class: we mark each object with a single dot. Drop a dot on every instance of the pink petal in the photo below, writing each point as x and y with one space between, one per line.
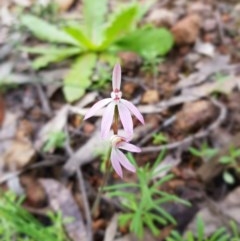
129 147
97 106
125 162
115 162
134 110
116 77
125 117
107 119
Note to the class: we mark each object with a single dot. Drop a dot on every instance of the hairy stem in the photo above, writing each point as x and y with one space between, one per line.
100 192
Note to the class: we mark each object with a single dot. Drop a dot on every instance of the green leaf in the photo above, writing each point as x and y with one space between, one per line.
236 153
120 23
148 42
46 31
149 222
200 229
51 55
225 160
94 14
77 33
176 236
78 78
124 219
190 236
218 234
228 177
195 152
165 214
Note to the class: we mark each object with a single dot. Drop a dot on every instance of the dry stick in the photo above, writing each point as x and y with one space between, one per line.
44 100
201 134
220 26
82 188
166 123
42 96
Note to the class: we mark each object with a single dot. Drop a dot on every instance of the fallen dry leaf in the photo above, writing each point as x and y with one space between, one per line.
18 151
216 215
186 31
225 86
60 199
55 124
112 228
150 97
34 192
18 155
207 68
207 49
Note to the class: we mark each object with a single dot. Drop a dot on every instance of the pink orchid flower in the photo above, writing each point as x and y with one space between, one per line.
125 108
118 159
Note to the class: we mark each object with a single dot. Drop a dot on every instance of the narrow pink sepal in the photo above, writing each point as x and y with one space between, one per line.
116 77
115 162
107 120
125 162
125 117
134 110
97 106
129 147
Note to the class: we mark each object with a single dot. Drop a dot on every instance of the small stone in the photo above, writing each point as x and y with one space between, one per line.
210 37
199 8
150 97
209 25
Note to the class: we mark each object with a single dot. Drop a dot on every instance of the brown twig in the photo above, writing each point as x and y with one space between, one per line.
190 139
44 100
82 188
220 27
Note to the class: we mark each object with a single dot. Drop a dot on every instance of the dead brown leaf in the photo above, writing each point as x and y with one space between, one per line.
216 215
225 86
19 154
193 116
60 199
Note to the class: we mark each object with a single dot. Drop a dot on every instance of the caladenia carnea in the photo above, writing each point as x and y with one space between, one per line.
117 109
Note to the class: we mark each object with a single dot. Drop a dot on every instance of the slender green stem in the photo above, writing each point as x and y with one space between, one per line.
100 192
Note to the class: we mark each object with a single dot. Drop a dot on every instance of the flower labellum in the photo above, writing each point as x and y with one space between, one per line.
124 107
118 159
